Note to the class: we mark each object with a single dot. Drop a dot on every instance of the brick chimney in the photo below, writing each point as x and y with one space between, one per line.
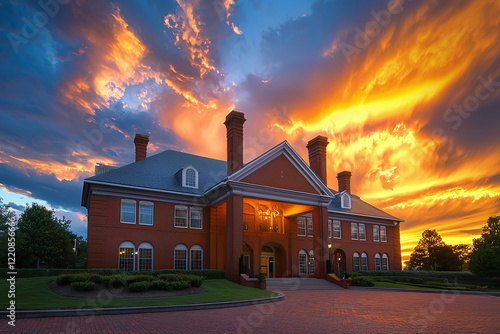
344 179
141 146
234 125
317 156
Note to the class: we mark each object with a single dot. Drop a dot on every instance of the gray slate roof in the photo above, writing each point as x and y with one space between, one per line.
163 171
360 207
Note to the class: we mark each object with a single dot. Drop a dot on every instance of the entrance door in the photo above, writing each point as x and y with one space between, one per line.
267 265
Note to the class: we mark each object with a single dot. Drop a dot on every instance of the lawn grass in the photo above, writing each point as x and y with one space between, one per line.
34 294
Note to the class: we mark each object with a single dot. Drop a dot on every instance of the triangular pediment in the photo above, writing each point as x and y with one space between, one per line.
281 167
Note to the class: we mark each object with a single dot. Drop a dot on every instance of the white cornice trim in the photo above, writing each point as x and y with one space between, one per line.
362 215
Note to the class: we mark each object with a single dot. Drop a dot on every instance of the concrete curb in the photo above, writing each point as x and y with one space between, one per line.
482 293
141 309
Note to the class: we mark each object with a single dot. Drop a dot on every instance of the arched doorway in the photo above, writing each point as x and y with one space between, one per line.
268 261
339 261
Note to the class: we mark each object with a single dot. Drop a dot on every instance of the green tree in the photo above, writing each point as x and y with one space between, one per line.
485 255
463 253
425 254
43 240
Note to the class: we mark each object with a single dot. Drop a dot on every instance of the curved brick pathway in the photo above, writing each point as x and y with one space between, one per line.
303 311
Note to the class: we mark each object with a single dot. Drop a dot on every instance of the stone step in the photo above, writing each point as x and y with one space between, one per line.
297 283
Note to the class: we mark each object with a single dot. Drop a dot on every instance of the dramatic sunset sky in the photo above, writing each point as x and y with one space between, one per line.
408 93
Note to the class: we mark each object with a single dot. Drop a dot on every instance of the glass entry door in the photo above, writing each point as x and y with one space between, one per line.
267 265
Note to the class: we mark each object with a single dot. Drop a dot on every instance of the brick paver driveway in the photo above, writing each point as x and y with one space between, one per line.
305 311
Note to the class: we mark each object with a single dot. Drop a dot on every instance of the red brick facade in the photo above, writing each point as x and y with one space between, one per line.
256 219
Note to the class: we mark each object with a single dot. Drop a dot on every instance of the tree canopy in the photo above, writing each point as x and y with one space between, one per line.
43 239
431 253
485 256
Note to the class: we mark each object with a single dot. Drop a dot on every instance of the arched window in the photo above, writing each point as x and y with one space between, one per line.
145 257
180 257
196 258
190 177
377 262
355 262
311 262
385 262
126 258
302 262
364 262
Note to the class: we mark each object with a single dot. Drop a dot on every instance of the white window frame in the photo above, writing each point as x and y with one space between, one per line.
364 261
183 208
330 231
128 201
354 229
184 177
376 233
356 256
143 204
337 222
195 248
194 209
378 262
361 236
126 245
303 267
144 245
310 262
383 233
310 227
386 266
181 247
301 221
343 204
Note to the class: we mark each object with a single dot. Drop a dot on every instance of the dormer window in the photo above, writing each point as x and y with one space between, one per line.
190 177
346 201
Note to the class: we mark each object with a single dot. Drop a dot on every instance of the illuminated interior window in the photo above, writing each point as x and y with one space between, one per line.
126 259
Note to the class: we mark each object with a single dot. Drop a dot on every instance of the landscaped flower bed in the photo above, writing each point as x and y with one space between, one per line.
134 282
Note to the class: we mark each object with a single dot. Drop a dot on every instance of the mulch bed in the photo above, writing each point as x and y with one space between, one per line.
102 292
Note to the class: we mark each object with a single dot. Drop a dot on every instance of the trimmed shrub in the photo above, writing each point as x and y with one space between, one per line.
93 277
206 273
415 280
33 272
114 281
139 278
139 286
173 277
362 281
83 286
70 278
195 281
180 285
159 285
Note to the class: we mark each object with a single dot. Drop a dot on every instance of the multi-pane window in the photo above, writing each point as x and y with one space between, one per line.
127 211
301 226
355 261
364 262
383 234
354 231
311 262
145 213
346 201
377 262
196 258
329 228
180 257
302 262
145 257
309 227
385 262
196 218
362 232
181 216
126 258
376 233
337 234
190 178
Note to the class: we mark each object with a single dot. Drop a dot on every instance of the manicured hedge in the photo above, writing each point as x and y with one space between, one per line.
83 286
362 281
31 272
460 277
